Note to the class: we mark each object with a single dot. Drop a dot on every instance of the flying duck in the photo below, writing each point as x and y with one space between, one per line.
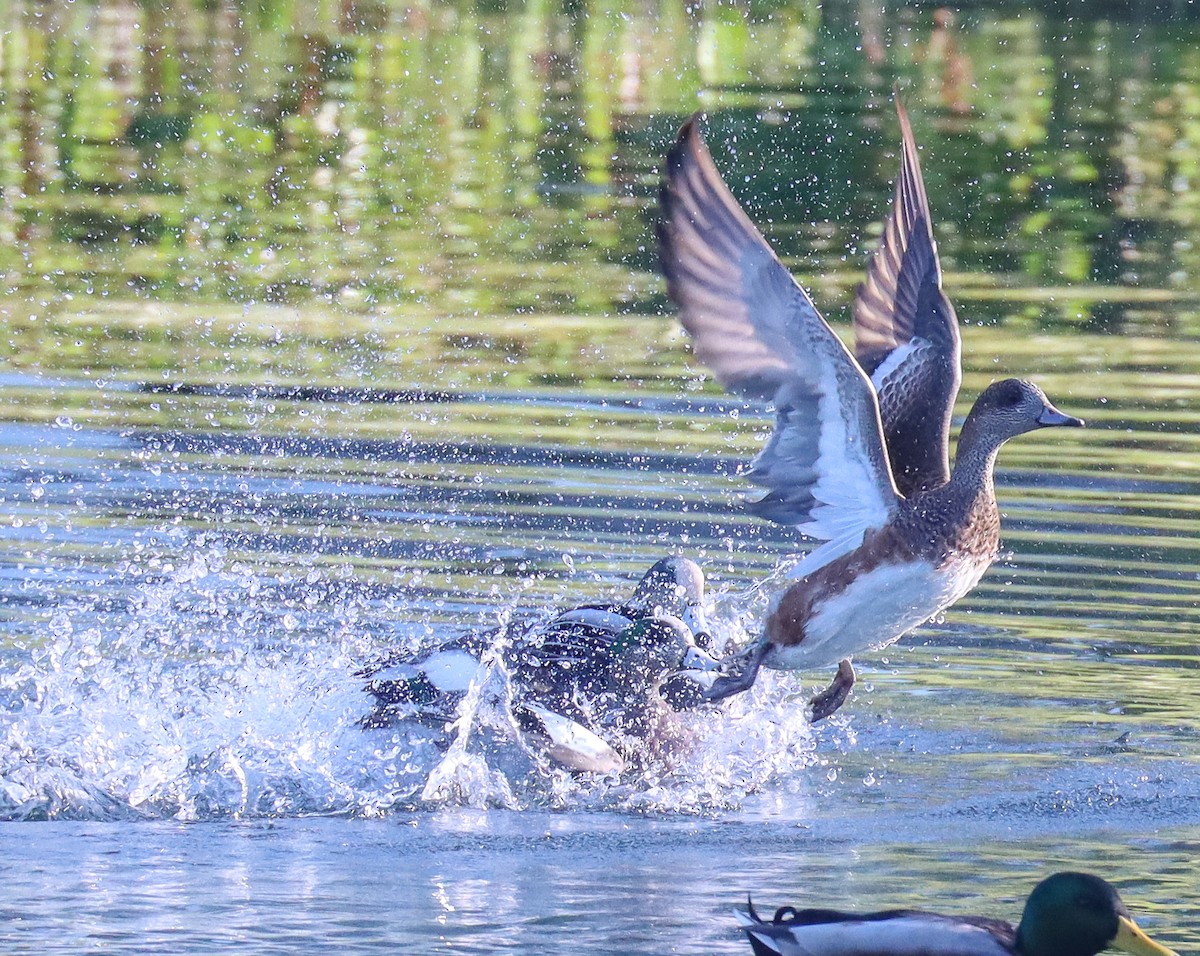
859 456
593 671
1067 914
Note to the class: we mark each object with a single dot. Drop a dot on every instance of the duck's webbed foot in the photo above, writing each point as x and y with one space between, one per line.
832 697
738 673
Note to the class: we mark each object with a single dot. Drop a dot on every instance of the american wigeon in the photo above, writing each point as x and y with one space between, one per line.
1067 914
859 457
585 672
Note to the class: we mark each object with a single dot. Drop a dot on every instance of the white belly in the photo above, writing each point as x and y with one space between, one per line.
875 610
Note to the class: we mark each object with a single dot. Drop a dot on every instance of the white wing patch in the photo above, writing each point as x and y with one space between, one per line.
910 354
818 557
850 497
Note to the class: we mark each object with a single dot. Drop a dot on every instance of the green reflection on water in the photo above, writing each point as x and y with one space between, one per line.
461 160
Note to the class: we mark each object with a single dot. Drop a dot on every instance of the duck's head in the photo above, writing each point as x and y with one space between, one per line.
1077 914
674 587
656 650
1009 408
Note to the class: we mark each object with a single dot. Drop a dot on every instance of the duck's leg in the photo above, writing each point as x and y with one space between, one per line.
832 697
739 672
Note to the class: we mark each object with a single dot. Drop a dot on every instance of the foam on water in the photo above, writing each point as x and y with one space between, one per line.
213 693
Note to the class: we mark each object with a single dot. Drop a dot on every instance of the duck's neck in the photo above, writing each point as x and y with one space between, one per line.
975 461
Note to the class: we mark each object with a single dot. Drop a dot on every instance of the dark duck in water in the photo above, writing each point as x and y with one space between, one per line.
583 683
1067 914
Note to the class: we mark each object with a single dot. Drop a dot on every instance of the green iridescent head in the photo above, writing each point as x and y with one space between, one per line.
1077 914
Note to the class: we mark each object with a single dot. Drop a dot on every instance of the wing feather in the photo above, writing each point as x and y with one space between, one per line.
906 333
825 465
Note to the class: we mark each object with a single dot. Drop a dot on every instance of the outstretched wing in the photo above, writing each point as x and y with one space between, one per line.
825 465
906 334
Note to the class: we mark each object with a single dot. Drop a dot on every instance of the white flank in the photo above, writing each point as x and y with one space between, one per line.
876 609
573 745
450 671
594 617
901 936
773 944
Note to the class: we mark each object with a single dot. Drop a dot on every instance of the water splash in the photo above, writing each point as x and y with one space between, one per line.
693 762
214 693
464 776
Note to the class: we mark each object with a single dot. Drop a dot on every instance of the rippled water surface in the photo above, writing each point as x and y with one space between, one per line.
393 363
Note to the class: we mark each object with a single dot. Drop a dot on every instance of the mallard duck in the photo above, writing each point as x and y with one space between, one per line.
1067 914
586 671
859 457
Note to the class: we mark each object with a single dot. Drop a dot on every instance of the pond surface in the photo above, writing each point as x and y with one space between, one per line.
366 348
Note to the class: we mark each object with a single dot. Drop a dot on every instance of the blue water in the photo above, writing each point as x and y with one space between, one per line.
183 624
190 577
488 882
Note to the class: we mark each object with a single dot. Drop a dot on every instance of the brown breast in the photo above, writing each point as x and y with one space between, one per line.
785 626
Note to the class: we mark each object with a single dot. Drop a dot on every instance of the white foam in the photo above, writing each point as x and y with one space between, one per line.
219 694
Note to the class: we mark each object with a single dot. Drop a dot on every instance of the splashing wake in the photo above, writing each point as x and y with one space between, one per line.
211 693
